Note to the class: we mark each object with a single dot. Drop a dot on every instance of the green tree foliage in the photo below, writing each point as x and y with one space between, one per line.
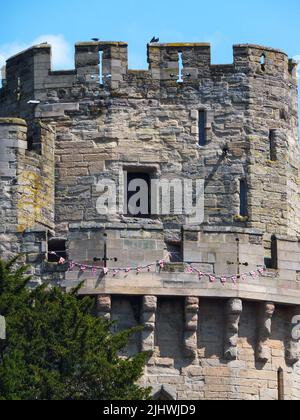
56 349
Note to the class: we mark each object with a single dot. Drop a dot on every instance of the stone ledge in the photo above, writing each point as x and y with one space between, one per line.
180 284
287 238
13 121
115 226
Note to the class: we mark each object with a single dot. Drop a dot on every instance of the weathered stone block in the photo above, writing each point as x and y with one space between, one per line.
2 328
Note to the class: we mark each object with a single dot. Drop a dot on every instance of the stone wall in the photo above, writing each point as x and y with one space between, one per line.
209 341
148 120
211 376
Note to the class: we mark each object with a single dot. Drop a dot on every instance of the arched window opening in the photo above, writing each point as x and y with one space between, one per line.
163 395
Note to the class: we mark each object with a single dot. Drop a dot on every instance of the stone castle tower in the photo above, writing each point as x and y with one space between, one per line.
214 332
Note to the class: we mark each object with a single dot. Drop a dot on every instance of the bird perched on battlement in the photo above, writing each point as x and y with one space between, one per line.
154 40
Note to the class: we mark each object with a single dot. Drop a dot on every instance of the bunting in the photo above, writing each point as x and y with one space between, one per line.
160 265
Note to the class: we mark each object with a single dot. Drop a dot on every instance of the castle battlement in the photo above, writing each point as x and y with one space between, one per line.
106 63
219 297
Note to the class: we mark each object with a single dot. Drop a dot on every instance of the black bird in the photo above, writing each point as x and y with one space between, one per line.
95 39
154 40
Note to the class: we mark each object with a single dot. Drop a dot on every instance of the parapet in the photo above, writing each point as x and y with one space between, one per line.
257 58
164 60
111 56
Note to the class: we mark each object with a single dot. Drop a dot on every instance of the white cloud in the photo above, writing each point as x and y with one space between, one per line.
61 51
62 57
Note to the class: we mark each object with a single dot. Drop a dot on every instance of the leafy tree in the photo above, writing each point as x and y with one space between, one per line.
56 349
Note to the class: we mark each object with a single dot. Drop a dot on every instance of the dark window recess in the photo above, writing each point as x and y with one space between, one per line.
268 263
34 138
243 198
274 253
59 247
272 263
263 62
144 202
272 140
280 381
30 142
163 395
202 128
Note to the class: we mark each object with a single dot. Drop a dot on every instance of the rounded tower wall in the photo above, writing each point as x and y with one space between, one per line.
234 127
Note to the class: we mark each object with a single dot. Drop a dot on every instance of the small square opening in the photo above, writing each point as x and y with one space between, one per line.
56 250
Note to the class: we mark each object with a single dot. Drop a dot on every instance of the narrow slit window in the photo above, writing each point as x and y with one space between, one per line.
280 381
101 78
202 128
243 198
274 253
180 68
272 141
263 62
175 251
271 263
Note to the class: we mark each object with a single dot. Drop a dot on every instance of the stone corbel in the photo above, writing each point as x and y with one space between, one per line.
149 321
293 350
191 326
233 312
104 306
264 332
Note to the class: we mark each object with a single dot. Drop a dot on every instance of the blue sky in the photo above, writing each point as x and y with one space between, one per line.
223 23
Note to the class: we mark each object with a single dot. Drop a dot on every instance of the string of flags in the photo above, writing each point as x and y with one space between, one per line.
213 278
